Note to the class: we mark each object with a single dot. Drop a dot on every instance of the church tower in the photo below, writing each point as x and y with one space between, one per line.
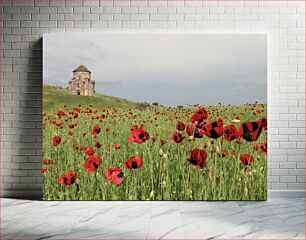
81 83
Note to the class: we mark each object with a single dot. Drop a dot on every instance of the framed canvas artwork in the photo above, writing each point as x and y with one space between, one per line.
154 117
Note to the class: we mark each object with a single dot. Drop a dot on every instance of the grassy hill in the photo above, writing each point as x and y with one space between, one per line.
55 97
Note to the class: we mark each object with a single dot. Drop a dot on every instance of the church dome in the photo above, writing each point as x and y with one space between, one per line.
81 68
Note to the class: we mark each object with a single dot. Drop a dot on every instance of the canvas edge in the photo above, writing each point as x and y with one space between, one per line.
37 194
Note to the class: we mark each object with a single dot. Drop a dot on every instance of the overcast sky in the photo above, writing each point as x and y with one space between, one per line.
172 69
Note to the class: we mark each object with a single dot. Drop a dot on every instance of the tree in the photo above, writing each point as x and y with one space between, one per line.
144 105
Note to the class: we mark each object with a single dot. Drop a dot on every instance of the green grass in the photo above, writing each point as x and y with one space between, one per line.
166 174
55 97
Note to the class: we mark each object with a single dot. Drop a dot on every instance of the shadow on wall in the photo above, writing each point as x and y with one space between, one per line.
34 93
29 154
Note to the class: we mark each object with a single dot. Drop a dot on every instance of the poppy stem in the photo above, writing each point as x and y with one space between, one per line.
96 183
77 190
151 161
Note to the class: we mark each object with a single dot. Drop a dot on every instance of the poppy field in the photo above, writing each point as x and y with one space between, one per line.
155 153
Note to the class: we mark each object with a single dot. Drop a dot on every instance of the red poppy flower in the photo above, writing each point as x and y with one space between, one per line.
83 148
44 169
162 142
180 126
263 147
198 158
238 141
72 125
263 122
43 126
97 145
198 132
230 133
92 163
224 153
59 124
107 129
199 116
214 129
250 131
133 163
95 130
89 151
46 161
190 129
70 133
56 140
138 135
177 137
68 178
117 146
114 174
60 114
246 159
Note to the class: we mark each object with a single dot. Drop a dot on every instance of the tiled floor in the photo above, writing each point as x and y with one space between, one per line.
273 219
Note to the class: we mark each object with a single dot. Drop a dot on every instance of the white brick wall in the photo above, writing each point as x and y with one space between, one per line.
24 22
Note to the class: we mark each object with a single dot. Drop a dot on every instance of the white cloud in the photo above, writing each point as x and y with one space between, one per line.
215 63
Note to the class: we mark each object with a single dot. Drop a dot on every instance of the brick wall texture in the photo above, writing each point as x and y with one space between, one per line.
25 22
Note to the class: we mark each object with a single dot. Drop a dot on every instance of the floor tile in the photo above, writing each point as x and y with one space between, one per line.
277 218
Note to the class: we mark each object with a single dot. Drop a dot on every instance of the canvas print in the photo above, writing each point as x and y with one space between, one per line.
154 117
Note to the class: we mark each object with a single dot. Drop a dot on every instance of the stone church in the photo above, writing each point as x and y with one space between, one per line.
81 83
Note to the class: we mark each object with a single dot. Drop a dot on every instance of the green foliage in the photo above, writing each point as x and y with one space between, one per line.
55 97
155 103
166 174
144 105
